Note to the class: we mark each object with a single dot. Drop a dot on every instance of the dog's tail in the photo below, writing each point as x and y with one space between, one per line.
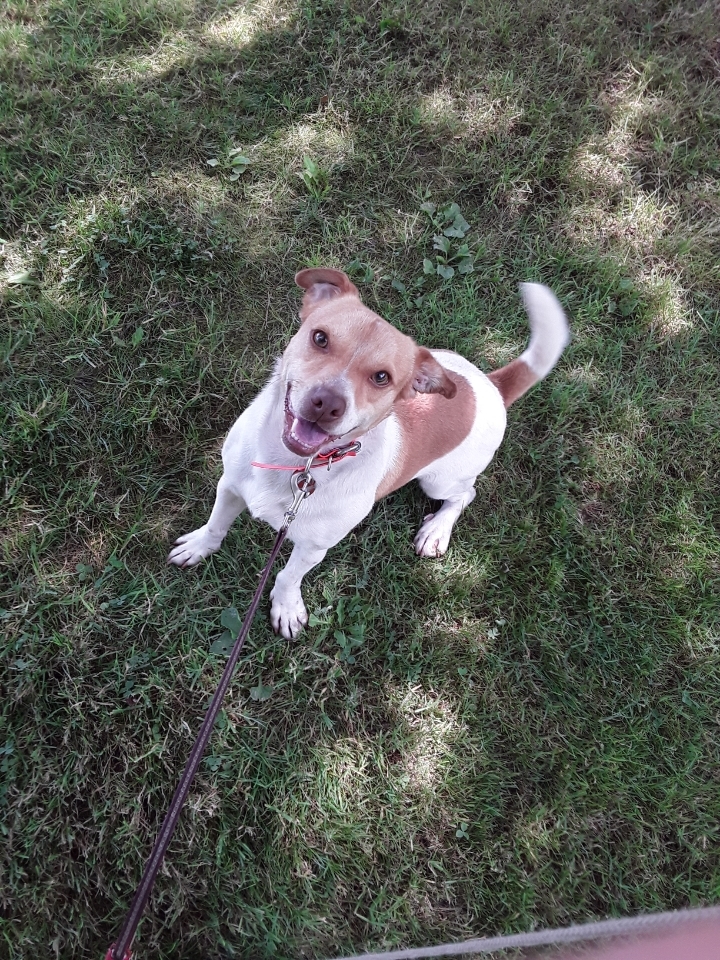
549 336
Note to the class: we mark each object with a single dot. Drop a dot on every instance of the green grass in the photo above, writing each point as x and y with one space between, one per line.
528 735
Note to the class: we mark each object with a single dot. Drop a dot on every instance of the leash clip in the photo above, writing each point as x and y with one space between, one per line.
303 484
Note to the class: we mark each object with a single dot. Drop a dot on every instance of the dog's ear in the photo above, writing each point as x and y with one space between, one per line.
429 377
320 285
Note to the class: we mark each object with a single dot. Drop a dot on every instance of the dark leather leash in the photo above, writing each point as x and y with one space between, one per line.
303 485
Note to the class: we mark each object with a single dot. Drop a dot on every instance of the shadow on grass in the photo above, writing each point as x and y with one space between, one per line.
549 689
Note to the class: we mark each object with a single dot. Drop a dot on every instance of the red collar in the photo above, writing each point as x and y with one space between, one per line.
319 460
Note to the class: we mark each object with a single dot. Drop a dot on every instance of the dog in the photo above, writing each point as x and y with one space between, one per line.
349 375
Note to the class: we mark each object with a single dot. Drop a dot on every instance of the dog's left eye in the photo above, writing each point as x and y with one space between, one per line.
381 378
320 338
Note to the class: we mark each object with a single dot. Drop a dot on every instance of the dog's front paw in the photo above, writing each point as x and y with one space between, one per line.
433 537
191 548
287 613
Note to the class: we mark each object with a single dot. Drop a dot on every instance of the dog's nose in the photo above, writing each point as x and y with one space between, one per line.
326 404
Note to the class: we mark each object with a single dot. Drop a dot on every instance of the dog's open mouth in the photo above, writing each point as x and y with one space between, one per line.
302 436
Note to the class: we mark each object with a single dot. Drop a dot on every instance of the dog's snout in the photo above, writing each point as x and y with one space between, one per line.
326 404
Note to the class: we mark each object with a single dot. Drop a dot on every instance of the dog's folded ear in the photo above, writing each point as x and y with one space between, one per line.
322 284
429 377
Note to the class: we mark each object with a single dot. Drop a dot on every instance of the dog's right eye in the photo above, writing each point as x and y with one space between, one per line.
320 338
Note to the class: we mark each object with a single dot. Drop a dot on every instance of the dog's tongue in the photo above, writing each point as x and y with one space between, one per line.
307 433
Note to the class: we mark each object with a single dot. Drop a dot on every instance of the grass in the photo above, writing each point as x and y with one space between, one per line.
528 735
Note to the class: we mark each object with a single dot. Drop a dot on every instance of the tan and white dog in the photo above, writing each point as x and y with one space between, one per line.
421 414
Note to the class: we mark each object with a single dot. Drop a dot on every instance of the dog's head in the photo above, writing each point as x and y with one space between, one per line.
346 367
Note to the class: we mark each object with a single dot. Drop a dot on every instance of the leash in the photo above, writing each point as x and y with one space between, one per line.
303 485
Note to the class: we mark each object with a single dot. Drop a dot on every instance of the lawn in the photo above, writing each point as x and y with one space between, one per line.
522 734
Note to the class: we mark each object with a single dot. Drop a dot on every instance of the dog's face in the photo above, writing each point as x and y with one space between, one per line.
346 367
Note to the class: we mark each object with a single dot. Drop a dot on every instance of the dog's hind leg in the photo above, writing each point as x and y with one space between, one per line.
433 537
193 547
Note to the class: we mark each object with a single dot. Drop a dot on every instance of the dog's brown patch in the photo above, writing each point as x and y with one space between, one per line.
431 426
513 380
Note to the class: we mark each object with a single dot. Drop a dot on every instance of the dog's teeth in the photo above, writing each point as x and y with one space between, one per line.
307 435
